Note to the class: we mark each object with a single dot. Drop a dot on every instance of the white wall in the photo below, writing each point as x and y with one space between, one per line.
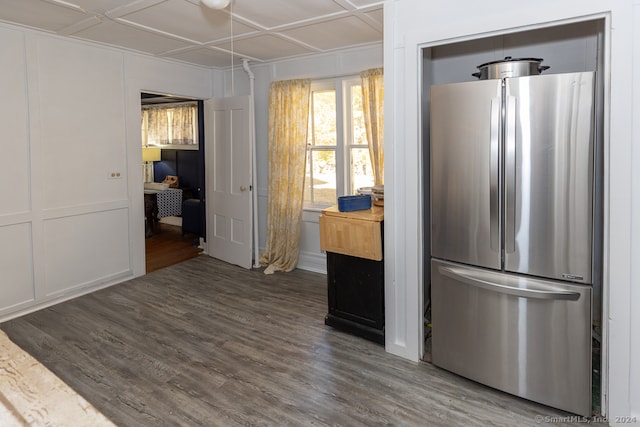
634 237
413 24
321 66
71 217
60 158
17 287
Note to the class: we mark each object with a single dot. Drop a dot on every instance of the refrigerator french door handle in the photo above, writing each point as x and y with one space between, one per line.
469 279
510 174
494 177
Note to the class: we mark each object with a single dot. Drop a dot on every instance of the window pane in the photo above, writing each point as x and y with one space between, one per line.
320 179
358 131
361 172
324 118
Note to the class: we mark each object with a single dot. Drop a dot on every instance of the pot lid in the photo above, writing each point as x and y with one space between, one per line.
510 59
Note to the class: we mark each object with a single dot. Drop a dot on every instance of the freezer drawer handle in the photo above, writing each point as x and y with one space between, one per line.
519 292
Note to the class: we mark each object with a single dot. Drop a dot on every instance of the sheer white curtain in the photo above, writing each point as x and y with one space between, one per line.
169 124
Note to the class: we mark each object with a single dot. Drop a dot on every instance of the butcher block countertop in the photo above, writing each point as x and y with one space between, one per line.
376 213
355 233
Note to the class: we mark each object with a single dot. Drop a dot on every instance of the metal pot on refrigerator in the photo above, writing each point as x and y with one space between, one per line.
510 67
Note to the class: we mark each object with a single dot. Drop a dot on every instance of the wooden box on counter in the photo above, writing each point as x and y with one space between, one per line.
355 270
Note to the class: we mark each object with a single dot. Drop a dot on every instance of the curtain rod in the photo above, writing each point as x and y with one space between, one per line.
318 79
337 76
170 104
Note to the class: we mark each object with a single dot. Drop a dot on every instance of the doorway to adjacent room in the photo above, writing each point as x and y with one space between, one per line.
174 223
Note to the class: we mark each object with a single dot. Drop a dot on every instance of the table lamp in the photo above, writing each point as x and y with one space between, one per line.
149 155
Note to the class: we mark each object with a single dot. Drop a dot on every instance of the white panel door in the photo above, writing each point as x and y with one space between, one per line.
228 179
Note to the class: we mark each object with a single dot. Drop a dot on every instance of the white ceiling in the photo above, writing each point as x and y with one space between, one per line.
185 30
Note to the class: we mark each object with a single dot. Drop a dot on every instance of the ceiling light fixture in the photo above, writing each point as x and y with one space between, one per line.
215 4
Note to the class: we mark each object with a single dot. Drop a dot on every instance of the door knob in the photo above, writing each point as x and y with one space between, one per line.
243 188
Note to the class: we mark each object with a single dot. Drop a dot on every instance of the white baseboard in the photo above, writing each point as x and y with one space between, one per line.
312 262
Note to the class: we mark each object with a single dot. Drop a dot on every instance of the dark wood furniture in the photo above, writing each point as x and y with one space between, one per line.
192 217
355 271
356 296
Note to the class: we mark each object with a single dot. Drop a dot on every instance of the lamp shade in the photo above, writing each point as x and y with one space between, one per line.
150 154
215 4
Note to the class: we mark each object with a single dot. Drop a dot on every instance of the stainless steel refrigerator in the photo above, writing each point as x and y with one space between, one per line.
512 194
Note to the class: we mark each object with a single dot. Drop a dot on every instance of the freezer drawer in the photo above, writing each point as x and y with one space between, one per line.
528 337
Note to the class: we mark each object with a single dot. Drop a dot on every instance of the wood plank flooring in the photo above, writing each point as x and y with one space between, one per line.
167 246
206 343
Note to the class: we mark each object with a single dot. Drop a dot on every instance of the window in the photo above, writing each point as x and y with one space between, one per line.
170 124
360 170
337 151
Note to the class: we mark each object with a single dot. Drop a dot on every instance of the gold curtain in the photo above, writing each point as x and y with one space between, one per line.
288 120
373 106
170 124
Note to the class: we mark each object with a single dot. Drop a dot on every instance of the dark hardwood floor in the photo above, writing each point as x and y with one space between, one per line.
167 246
207 343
